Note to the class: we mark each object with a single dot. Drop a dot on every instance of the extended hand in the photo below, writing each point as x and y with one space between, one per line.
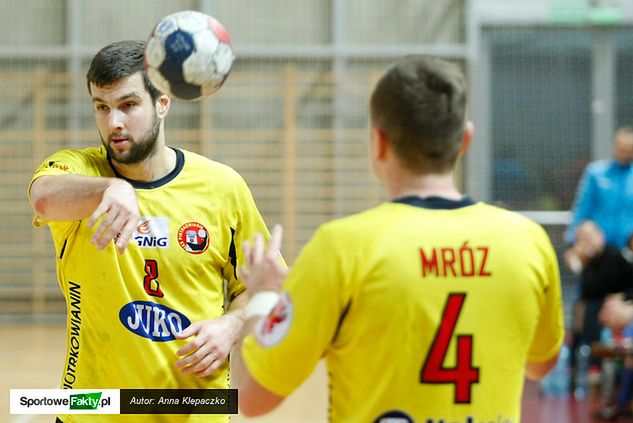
120 207
210 347
615 312
264 270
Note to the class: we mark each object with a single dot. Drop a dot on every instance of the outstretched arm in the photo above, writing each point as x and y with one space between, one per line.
264 274
254 399
75 197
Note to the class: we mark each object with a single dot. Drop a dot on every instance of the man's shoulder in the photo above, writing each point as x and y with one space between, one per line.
359 221
387 212
214 177
613 254
93 153
599 166
199 161
86 161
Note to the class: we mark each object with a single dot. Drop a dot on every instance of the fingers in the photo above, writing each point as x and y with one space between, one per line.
190 330
263 269
255 254
275 241
125 236
105 232
243 273
201 365
215 365
246 248
99 211
119 214
258 249
191 353
614 314
200 362
184 351
605 316
119 228
199 357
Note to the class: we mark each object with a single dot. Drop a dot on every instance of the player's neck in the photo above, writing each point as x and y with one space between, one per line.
432 185
152 168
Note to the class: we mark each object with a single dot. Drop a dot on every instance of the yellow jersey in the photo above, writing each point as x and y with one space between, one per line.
123 310
425 310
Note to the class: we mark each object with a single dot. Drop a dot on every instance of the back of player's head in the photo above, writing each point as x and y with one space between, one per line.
420 104
119 60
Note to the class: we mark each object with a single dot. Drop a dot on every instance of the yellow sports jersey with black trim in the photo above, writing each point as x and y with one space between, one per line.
125 309
425 310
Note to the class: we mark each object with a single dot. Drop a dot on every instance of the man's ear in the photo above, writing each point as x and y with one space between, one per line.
469 131
164 102
380 144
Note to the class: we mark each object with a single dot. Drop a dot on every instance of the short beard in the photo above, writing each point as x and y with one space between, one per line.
142 149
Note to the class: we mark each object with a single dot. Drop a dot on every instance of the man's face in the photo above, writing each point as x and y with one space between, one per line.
126 118
624 147
590 241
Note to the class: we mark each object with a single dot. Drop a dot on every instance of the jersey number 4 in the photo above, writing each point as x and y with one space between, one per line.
463 375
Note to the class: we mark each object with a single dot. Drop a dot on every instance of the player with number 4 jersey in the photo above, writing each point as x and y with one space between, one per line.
436 322
428 308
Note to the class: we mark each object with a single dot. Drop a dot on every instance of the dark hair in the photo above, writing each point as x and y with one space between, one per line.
624 130
120 60
420 104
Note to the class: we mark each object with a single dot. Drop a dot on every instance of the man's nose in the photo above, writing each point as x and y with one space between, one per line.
116 119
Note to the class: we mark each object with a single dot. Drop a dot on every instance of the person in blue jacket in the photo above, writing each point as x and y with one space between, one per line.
605 194
605 197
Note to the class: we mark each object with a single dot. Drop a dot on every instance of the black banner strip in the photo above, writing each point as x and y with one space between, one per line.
178 401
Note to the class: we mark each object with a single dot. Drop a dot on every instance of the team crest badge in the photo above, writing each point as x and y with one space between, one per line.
274 327
193 238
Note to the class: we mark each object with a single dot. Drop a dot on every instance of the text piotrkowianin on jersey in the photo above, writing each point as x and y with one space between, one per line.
425 310
125 309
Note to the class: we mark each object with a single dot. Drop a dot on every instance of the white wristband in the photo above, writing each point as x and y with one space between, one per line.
261 304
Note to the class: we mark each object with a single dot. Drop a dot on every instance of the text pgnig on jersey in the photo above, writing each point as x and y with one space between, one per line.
123 401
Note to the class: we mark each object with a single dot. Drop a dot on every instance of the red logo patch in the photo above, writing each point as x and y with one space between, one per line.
193 238
277 315
273 328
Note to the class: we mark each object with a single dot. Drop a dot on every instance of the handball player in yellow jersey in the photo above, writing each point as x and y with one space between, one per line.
428 308
145 242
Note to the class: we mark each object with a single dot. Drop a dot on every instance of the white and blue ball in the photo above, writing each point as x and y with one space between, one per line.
188 55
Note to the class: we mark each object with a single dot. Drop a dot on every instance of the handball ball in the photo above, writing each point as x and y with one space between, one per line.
188 55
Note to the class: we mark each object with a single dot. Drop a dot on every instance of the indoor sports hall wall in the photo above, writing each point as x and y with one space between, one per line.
291 118
548 86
